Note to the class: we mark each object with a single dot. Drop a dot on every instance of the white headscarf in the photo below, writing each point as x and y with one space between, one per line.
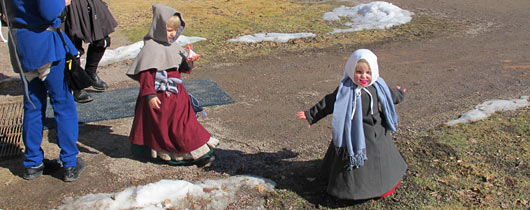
359 54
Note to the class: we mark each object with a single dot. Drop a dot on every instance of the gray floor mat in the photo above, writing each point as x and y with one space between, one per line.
120 103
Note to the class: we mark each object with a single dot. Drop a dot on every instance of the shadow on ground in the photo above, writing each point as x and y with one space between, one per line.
11 87
101 139
93 139
301 177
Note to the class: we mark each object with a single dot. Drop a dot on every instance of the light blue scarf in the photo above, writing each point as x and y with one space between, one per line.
347 122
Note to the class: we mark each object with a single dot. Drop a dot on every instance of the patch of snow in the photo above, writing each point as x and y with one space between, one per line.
184 40
374 15
130 51
487 108
121 53
174 194
2 33
271 37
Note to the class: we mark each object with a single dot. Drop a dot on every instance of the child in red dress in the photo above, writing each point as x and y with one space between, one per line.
164 121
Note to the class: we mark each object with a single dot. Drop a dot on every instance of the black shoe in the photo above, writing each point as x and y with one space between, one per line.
33 172
205 161
81 96
72 173
99 84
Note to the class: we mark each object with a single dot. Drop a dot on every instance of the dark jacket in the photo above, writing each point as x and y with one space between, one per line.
89 20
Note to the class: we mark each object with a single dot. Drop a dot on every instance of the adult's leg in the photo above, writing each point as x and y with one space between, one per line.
80 96
65 114
95 53
32 124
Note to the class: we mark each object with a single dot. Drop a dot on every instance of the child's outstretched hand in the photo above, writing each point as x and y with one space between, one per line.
192 56
399 88
154 103
301 115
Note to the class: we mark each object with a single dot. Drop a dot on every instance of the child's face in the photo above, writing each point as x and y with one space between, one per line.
362 76
171 33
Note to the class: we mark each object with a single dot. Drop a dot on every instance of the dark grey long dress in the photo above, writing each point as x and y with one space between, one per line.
385 166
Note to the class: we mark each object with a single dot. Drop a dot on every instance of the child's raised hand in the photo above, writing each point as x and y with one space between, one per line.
154 103
399 88
192 56
301 115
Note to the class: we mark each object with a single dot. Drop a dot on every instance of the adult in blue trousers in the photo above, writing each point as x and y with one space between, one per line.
38 54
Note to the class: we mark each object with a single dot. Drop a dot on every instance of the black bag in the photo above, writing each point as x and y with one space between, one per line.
74 74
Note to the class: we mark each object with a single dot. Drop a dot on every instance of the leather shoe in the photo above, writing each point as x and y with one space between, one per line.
72 173
99 84
33 172
205 161
81 96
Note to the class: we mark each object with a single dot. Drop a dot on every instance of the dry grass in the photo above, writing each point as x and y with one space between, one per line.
220 20
478 165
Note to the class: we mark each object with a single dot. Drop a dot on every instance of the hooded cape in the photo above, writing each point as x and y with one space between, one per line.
158 52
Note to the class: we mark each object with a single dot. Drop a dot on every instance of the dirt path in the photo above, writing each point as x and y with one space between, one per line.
445 76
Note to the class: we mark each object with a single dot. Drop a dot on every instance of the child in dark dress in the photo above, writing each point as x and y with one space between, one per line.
165 124
362 161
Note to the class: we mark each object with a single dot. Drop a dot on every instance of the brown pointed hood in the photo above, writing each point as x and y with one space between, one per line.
159 52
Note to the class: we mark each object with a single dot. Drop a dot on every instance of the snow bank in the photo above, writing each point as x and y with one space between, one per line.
374 15
271 37
130 51
487 108
121 53
173 194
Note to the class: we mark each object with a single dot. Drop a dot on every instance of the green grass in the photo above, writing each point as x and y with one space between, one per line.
494 157
484 164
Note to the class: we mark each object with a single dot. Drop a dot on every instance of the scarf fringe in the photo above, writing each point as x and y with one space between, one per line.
355 161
